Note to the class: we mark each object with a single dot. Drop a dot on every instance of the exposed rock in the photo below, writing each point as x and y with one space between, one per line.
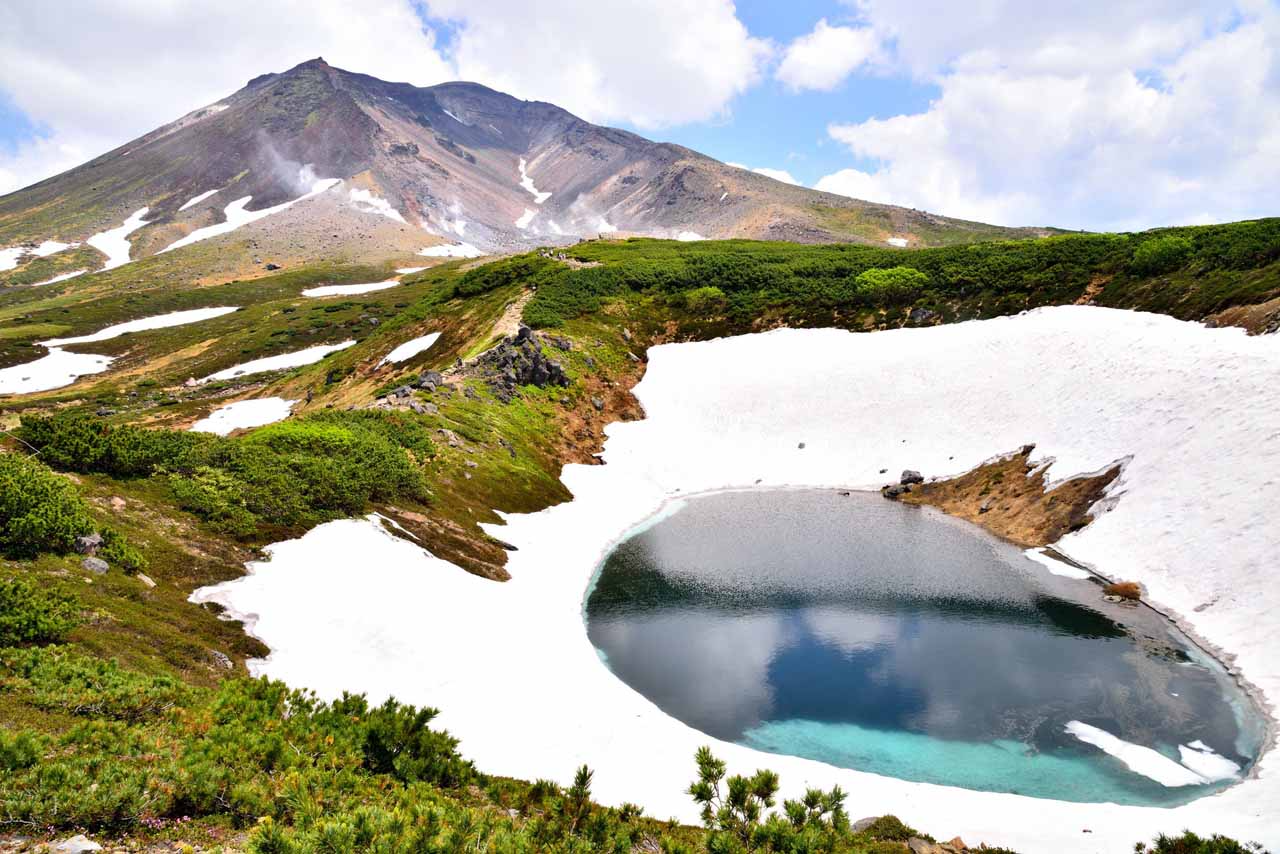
863 823
450 437
895 491
430 380
985 506
518 361
104 411
117 503
89 545
76 845
270 266
96 565
222 660
145 579
911 476
921 315
598 403
801 446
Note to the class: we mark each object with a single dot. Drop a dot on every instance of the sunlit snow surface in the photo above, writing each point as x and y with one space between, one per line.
347 290
451 250
243 414
159 321
195 200
527 182
526 218
60 278
1192 518
296 359
409 349
114 242
900 242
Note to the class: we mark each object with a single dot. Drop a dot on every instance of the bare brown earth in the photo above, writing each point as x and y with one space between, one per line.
1007 496
1255 319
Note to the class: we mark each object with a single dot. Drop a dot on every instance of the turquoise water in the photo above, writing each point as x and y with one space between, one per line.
871 635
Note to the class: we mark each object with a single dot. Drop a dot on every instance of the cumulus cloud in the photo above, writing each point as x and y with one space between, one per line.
651 64
95 75
776 174
1100 116
823 58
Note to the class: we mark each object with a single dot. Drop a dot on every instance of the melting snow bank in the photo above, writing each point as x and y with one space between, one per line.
10 257
159 321
296 359
527 183
900 242
61 368
1194 521
195 200
244 413
409 349
55 370
451 250
525 218
236 215
345 290
61 278
114 243
405 271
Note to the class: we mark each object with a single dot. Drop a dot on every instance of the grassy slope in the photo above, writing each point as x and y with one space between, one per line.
642 292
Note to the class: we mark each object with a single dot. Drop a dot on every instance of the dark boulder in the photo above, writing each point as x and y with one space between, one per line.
89 545
911 476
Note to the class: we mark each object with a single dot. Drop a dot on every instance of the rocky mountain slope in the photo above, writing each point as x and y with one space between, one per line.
377 167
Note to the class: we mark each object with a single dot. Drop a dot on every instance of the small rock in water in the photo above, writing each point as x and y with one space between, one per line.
895 490
96 565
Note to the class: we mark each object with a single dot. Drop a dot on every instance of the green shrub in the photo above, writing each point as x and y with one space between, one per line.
1190 843
118 552
1161 255
705 299
891 286
35 614
60 680
39 511
74 441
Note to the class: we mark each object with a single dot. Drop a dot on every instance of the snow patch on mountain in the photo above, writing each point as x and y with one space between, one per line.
114 242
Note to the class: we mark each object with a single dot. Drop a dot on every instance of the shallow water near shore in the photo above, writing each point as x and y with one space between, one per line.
892 639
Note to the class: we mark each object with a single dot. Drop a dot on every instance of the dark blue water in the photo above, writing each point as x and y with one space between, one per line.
887 638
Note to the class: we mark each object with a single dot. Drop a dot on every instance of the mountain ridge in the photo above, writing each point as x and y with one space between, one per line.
459 161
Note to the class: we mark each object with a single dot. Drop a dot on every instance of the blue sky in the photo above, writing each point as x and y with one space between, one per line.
1094 114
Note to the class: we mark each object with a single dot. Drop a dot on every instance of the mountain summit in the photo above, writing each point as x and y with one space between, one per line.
398 164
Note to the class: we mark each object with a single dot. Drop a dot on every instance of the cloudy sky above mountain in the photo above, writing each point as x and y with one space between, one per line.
1093 114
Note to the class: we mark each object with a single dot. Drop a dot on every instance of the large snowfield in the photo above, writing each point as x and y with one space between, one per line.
1193 410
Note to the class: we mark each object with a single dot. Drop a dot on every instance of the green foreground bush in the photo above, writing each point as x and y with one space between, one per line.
39 511
30 614
291 474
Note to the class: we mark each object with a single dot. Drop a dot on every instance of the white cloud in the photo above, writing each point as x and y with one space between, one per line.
777 174
653 64
823 58
94 75
1124 118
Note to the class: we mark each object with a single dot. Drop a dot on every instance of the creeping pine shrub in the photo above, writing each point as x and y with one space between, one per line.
705 299
39 511
72 441
32 614
1161 255
891 286
1190 843
57 679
